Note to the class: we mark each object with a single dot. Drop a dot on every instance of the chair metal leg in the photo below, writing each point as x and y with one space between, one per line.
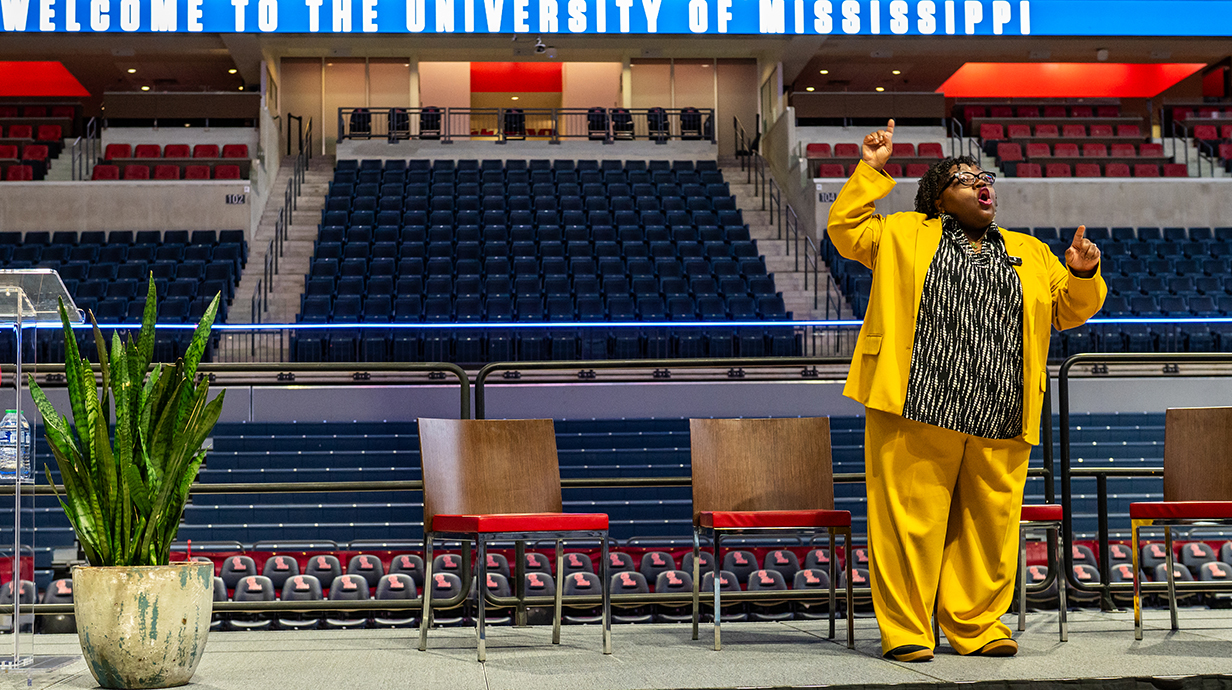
1171 576
1137 581
697 585
833 581
1062 580
851 605
425 615
718 583
606 585
1022 579
519 583
481 600
560 586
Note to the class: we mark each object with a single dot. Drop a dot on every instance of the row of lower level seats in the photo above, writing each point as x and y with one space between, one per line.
1110 169
1048 109
131 171
116 151
16 158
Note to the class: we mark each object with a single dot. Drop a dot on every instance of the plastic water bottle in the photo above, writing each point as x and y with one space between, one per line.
14 462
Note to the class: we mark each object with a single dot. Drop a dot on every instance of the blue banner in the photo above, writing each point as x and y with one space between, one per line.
545 17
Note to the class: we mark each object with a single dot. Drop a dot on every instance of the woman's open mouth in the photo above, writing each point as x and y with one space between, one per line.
985 197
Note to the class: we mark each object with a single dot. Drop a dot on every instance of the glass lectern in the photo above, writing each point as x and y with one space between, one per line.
29 299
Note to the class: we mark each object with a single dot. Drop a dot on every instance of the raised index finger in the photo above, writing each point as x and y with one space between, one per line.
1082 229
890 127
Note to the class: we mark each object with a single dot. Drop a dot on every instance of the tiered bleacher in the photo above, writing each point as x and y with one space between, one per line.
174 162
536 241
1151 272
1059 140
839 160
31 135
375 535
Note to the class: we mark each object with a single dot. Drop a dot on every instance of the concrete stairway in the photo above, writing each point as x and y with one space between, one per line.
779 261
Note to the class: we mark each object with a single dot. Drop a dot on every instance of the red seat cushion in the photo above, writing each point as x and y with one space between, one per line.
1047 512
520 522
1181 510
226 172
753 519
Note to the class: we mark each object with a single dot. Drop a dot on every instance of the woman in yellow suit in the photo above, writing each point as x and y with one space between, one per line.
951 368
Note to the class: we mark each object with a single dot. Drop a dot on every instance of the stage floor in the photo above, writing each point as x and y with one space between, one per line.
1101 649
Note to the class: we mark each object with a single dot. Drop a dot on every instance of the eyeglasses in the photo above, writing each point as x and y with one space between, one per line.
968 179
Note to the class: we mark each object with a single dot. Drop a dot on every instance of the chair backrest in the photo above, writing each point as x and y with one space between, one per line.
761 464
1196 440
488 467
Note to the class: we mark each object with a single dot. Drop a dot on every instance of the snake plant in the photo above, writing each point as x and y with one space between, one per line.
125 490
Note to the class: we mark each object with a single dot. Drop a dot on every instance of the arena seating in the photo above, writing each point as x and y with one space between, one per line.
505 241
36 133
1150 271
839 160
173 162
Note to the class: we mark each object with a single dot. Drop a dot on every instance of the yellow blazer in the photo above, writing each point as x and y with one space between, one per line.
899 249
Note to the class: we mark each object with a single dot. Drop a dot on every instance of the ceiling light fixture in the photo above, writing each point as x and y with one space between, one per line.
145 88
896 72
880 88
809 88
232 71
514 98
824 71
132 70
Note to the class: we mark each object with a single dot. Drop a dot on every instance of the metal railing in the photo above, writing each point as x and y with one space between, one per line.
290 202
782 215
85 150
499 125
1181 131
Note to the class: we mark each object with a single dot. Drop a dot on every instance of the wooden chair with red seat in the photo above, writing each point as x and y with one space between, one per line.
500 479
764 477
1047 517
1197 488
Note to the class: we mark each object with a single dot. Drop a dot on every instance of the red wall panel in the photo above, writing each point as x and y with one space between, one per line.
1063 80
515 77
31 79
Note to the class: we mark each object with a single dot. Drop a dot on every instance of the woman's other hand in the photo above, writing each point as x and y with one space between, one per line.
878 146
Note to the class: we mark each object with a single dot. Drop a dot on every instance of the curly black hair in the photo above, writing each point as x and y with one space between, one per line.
935 181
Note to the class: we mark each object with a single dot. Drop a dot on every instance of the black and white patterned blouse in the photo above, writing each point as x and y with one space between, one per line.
966 362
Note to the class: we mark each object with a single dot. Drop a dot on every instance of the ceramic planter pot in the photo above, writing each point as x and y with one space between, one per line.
143 626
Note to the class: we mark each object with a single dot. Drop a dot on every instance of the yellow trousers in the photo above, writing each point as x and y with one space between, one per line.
943 514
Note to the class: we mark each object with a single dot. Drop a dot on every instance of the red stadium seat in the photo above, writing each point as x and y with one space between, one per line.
1028 111
19 173
34 152
851 169
1128 131
917 169
114 151
148 151
1154 150
1205 132
1018 131
1176 170
904 150
1038 150
1087 170
1009 152
1047 131
136 172
1094 150
1000 111
830 170
1064 150
1182 114
205 151
1101 130
1054 111
972 111
177 151
1205 112
930 150
226 172
1029 170
894 169
8 151
1116 170
992 131
817 151
1146 170
235 151
63 111
1073 131
196 172
8 111
34 111
1057 170
847 150
21 132
166 172
1225 131
1225 152
49 133
1107 111
103 171
1123 151
1081 111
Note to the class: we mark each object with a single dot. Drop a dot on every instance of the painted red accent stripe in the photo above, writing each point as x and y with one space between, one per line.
516 77
1064 80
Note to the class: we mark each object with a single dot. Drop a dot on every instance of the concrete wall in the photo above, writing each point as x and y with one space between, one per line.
145 205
